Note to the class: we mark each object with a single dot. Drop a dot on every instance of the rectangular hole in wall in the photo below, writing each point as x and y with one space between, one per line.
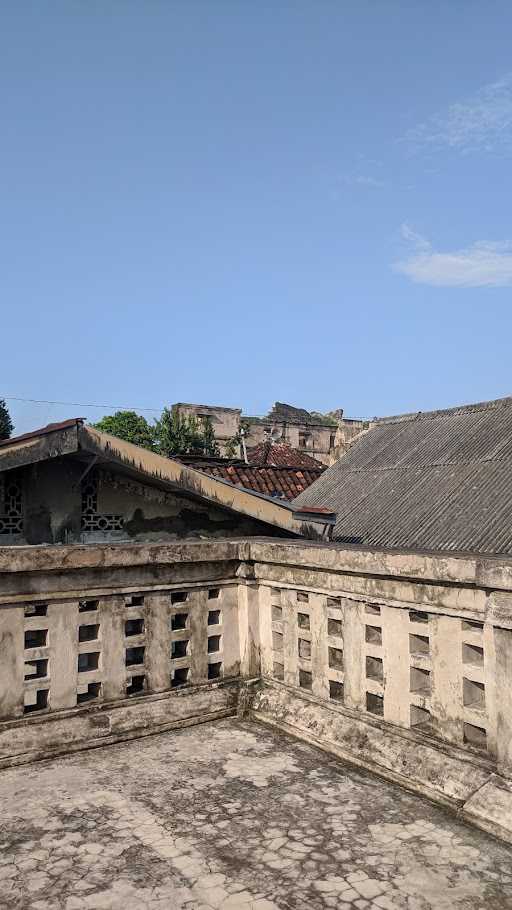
372 609
214 643
93 691
40 703
373 635
179 648
88 661
473 693
302 597
335 627
133 627
88 633
303 620
137 684
277 641
475 736
336 658
420 717
375 704
213 593
36 610
278 670
86 606
36 638
420 681
134 656
213 617
135 600
34 669
374 669
304 649
305 679
277 613
472 654
179 677
179 621
419 644
334 602
418 616
214 670
335 690
179 597
275 593
469 625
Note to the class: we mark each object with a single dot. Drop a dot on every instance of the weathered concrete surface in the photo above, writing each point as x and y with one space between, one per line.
229 816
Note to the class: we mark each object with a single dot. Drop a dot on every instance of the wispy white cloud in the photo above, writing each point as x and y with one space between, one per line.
483 264
363 180
481 122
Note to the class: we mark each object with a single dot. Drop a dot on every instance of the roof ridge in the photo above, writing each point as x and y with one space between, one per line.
446 412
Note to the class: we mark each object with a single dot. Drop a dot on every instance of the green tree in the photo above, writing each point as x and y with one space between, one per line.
6 424
179 434
130 426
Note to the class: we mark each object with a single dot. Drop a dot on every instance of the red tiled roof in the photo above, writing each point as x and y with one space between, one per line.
280 454
280 482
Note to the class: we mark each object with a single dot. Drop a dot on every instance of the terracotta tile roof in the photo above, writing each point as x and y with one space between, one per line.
280 454
280 482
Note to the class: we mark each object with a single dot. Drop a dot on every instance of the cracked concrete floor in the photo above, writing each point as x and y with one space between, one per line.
233 816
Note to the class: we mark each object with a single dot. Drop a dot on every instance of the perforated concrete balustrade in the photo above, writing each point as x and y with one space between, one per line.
401 663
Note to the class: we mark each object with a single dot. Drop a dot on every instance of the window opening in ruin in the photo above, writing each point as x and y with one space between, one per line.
93 691
278 670
36 638
179 597
277 641
133 627
304 649
419 644
88 661
88 633
475 736
303 620
375 704
214 670
134 656
179 621
214 643
179 677
472 654
421 718
469 625
35 669
418 616
87 606
277 613
213 593
374 669
334 602
135 600
179 648
473 694
335 627
336 658
335 690
420 680
213 617
373 635
40 703
275 593
36 610
372 609
305 680
302 597
137 684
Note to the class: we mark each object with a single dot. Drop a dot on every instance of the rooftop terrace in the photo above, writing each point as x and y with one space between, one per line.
233 816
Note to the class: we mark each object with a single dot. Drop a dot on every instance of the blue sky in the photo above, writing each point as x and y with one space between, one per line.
232 202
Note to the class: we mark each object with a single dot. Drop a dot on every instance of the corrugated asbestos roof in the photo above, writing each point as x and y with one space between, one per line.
437 481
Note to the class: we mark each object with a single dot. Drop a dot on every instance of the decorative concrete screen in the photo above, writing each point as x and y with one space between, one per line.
399 662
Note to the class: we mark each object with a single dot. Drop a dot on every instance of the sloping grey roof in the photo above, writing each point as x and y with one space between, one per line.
436 481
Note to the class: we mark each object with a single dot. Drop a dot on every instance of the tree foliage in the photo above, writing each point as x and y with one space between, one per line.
129 426
179 434
6 424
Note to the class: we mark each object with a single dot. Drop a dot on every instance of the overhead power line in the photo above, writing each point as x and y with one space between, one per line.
78 404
